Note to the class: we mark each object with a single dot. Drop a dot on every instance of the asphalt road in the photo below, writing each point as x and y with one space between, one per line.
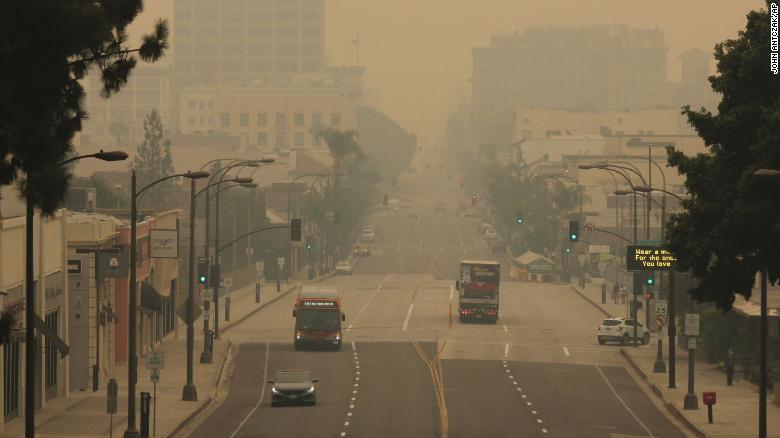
407 368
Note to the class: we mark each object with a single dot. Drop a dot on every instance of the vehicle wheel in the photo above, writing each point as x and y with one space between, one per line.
625 339
646 339
602 341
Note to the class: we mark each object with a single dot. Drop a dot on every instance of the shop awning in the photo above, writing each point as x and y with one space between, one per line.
150 298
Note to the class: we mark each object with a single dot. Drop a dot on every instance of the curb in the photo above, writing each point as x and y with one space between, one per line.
207 402
609 315
673 410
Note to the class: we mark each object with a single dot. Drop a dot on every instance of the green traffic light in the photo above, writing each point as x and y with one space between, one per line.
573 237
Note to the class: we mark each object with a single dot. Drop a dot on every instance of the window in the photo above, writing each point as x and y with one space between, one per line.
243 119
200 120
281 119
299 120
224 120
281 138
262 119
191 120
262 138
299 139
191 104
335 120
316 120
200 104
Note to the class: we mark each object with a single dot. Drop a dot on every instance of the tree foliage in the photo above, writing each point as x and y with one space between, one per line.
46 48
153 162
730 225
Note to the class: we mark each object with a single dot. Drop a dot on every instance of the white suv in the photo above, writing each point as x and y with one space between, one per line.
622 330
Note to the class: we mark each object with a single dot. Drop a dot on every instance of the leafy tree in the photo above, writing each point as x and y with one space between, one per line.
46 48
153 161
729 227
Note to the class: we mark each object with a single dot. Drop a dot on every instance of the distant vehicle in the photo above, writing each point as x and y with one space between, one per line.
368 235
361 251
413 216
622 330
440 206
491 236
293 387
485 227
318 316
343 268
478 289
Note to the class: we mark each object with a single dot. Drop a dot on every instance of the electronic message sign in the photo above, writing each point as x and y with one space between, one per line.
649 258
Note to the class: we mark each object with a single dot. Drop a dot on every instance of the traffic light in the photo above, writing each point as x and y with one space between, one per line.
568 250
308 244
574 231
295 230
650 280
519 219
474 199
203 270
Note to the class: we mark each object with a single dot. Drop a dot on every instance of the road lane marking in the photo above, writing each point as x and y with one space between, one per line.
262 391
357 317
650 434
434 366
353 345
452 289
566 351
506 350
408 315
506 330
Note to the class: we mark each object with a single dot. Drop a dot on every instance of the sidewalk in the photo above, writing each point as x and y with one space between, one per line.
83 413
736 411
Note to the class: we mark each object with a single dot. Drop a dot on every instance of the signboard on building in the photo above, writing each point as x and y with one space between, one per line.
649 258
692 324
598 249
164 244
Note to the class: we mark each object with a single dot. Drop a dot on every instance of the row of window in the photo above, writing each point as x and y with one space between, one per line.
257 16
248 32
199 50
280 119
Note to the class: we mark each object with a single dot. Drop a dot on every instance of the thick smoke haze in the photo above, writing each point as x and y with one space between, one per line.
417 53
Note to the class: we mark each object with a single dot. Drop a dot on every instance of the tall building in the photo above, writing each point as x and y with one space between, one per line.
606 67
237 42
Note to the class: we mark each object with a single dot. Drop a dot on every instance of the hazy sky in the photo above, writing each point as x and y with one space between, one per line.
417 53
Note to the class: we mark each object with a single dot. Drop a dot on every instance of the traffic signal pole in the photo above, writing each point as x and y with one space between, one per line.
189 392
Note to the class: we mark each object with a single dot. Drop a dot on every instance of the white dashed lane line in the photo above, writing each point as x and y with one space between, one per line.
371 298
566 351
408 315
528 403
355 387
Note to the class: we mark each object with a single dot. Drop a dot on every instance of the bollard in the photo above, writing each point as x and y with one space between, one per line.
257 291
709 413
227 308
603 293
145 410
95 377
210 340
112 393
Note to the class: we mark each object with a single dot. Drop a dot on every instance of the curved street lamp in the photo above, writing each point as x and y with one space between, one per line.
132 366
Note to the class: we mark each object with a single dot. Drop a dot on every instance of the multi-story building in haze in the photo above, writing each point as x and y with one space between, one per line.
237 42
606 67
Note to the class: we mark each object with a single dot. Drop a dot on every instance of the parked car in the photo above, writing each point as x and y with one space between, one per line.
622 330
293 387
343 268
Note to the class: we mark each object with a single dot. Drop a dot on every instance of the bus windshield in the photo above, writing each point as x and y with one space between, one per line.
318 319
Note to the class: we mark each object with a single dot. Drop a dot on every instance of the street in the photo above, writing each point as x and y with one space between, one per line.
408 367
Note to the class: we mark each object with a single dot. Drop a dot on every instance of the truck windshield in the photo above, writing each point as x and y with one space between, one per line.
318 319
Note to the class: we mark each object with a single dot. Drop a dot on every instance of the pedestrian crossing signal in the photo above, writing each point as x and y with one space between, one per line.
202 270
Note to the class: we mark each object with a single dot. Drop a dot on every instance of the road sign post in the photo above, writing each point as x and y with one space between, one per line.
691 402
709 399
112 393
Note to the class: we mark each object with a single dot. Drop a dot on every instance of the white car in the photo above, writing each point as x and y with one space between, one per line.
368 236
622 330
343 268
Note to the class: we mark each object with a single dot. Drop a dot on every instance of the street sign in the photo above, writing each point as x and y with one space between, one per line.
155 360
692 324
111 396
207 314
589 228
598 249
227 282
182 311
691 343
164 244
708 398
258 267
648 258
660 307
660 320
113 263
207 294
155 376
280 261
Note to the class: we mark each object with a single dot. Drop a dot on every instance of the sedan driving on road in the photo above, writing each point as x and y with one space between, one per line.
622 330
293 387
343 268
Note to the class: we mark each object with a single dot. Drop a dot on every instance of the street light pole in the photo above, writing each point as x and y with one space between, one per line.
30 353
132 358
190 393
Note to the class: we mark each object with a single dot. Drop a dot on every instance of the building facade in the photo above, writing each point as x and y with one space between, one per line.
238 42
609 67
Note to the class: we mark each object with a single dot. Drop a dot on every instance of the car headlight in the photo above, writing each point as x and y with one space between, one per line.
274 390
310 390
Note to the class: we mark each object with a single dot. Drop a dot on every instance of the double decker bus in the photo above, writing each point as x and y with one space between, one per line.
478 290
318 316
